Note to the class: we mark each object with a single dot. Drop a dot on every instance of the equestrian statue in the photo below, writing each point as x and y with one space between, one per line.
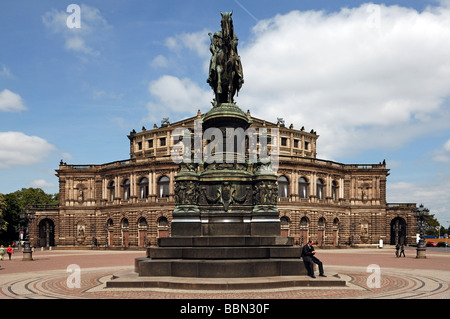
225 68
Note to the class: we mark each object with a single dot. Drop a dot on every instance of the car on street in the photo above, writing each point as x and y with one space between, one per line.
442 244
431 244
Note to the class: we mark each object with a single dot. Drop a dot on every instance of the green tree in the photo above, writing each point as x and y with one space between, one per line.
3 208
442 231
34 196
19 201
433 225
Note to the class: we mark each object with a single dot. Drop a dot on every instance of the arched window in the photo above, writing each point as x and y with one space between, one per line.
125 223
163 186
336 222
143 187
334 190
126 189
283 185
162 222
304 222
320 188
111 190
321 222
284 226
163 227
303 188
142 223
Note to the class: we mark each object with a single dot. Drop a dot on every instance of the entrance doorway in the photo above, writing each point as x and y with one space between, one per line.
304 228
398 231
46 233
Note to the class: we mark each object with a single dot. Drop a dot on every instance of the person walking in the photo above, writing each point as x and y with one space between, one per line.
2 252
309 259
397 248
402 251
9 250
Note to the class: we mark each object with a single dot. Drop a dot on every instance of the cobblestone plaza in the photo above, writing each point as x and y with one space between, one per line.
46 277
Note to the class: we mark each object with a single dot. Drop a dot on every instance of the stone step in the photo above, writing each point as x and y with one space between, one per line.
217 241
235 268
134 281
248 252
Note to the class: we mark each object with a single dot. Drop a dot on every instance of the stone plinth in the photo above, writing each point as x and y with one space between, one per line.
222 257
130 280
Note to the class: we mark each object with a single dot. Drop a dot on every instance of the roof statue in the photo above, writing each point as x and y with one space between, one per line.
225 68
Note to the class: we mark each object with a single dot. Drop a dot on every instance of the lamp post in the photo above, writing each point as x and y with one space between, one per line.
26 217
420 214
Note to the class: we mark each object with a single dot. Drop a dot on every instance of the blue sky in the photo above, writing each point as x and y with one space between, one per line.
373 79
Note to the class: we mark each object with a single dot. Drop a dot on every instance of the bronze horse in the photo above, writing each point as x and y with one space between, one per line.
225 73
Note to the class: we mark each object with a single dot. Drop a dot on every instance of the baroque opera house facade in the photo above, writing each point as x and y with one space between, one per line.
129 203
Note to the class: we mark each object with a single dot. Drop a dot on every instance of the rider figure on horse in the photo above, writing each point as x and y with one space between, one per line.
225 69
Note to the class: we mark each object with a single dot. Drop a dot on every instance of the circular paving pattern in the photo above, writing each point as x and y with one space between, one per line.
394 285
47 278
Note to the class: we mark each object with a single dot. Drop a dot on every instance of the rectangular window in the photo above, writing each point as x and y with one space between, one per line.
296 143
162 141
283 141
140 145
150 143
306 146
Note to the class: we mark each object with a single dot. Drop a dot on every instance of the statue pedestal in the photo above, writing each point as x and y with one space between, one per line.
27 256
226 221
421 252
222 257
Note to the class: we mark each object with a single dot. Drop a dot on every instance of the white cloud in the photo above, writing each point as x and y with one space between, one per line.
78 44
443 154
17 148
11 102
361 82
41 183
432 193
159 61
80 40
66 156
177 95
5 72
371 77
197 42
446 146
184 43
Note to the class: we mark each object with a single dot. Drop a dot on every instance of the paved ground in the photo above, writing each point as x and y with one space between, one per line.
46 277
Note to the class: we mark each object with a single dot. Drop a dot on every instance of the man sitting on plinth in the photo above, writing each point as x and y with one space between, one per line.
308 253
